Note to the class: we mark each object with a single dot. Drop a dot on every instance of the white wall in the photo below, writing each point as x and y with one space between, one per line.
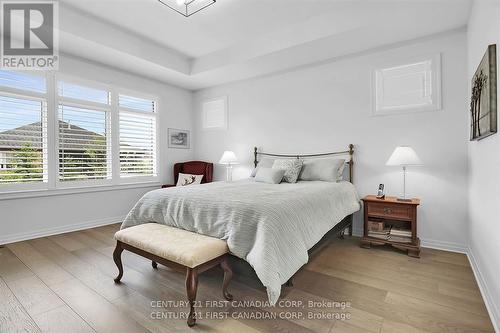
484 166
31 217
326 107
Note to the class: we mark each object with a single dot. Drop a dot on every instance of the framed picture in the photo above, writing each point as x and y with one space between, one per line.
178 138
483 104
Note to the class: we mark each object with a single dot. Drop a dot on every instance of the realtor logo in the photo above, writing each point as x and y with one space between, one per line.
29 35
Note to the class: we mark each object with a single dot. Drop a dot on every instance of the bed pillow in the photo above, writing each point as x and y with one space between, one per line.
324 169
263 163
188 179
292 169
269 175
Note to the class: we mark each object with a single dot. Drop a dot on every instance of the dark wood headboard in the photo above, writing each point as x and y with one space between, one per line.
349 152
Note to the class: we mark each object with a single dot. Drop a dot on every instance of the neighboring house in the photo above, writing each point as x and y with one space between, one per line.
79 148
17 138
3 160
29 136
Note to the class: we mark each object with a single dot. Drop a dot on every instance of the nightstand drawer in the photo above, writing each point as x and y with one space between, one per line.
389 211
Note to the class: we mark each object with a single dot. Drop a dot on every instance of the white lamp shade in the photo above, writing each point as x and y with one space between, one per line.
228 158
403 156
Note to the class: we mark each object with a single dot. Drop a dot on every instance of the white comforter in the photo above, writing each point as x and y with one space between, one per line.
269 226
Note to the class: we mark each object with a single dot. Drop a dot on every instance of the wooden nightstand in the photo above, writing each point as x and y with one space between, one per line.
392 216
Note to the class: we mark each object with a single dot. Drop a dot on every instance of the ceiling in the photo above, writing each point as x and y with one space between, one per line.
238 39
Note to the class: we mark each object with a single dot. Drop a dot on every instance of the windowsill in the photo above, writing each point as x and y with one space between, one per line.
74 190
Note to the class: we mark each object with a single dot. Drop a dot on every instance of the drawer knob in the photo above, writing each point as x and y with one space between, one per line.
387 210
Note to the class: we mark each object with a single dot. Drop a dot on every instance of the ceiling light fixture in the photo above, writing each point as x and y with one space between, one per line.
187 7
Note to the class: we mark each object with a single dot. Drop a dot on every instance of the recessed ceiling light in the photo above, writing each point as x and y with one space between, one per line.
187 7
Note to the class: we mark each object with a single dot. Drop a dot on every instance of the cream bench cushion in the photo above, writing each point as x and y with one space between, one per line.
183 247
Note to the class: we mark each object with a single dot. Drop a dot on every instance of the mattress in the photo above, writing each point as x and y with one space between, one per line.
271 226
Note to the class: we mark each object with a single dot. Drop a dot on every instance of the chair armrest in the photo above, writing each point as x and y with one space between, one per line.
167 186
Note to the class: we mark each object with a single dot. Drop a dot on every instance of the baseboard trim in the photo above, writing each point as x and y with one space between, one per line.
7 239
442 245
492 308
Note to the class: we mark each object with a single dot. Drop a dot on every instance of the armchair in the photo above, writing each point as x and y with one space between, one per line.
195 168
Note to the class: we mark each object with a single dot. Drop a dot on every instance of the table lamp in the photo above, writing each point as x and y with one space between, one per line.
404 156
228 159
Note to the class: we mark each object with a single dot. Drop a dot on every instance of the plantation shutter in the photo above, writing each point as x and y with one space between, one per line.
23 128
83 149
83 135
137 136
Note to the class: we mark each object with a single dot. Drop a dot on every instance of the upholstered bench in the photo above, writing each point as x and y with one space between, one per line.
181 250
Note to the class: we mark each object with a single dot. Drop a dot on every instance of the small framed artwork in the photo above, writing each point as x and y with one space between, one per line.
178 138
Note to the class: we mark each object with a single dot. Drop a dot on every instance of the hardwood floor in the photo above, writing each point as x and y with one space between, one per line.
65 284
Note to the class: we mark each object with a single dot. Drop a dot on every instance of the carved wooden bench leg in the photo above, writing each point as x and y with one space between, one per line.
341 234
191 288
117 257
137 234
228 275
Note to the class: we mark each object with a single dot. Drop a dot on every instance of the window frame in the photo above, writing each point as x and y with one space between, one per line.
54 186
436 86
156 113
74 102
44 99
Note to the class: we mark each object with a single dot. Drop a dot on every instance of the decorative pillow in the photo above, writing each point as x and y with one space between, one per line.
292 169
187 179
324 169
263 163
269 175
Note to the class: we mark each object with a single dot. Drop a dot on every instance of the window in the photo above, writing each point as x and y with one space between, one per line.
23 129
137 136
138 104
408 88
97 134
83 127
83 144
23 82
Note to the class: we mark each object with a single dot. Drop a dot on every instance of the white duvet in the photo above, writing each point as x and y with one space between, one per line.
270 226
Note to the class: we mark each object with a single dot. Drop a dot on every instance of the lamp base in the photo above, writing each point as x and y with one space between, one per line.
229 173
404 200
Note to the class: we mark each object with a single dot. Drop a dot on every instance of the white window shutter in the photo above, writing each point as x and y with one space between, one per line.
138 155
23 129
83 144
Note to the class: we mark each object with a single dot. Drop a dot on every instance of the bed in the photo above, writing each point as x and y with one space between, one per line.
270 226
